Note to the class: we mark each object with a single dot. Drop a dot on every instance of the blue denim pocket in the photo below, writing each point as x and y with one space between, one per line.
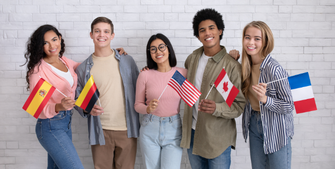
176 124
60 121
145 120
38 129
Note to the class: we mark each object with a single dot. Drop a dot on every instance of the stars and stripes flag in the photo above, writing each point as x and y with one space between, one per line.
38 98
184 88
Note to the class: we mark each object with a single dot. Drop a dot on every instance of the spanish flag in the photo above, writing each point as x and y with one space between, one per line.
88 96
38 98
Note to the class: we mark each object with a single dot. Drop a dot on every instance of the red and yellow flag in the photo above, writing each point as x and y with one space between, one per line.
88 96
38 98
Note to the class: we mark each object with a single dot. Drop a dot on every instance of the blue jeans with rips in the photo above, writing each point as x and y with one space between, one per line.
280 159
223 161
55 135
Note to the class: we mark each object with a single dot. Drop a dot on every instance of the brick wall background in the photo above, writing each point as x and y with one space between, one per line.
304 33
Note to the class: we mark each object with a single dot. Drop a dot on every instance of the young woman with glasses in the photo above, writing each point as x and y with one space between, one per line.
160 132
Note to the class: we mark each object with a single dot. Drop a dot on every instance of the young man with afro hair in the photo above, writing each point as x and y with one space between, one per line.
209 127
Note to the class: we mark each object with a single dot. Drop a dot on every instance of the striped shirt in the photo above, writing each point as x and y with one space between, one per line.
276 113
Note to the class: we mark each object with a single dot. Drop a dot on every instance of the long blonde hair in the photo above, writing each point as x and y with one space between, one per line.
267 47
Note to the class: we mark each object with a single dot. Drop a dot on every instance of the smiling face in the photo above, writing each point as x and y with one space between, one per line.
252 42
209 34
161 56
102 35
52 44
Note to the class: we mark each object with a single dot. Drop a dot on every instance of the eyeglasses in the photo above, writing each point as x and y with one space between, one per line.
161 47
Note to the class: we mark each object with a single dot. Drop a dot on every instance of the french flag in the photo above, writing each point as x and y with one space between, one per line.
302 93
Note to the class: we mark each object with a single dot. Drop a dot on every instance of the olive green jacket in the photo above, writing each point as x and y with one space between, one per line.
214 132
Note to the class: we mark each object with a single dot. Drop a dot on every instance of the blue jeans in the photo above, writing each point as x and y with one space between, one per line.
197 162
160 141
55 136
280 159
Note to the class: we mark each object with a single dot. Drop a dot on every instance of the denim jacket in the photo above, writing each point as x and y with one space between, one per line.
129 73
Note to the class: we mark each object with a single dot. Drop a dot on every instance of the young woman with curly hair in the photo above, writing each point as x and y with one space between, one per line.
44 59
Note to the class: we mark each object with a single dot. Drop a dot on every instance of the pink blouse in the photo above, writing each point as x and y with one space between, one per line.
150 84
45 71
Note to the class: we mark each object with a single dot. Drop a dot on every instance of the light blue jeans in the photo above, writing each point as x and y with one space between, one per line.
280 159
160 141
55 136
223 161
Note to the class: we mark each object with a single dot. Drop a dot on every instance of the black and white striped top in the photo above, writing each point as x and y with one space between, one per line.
276 114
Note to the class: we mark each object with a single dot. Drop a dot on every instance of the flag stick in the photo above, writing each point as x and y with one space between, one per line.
276 80
61 92
209 91
99 102
162 92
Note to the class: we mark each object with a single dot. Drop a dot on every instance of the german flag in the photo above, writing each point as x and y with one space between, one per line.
38 98
88 96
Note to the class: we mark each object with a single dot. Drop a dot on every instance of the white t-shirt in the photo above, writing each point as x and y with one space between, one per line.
198 80
67 75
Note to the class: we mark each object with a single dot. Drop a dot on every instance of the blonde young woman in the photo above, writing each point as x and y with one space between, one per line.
268 114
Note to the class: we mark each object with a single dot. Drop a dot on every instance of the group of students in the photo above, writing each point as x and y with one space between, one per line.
208 130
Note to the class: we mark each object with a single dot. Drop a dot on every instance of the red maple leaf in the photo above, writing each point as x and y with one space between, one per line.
225 86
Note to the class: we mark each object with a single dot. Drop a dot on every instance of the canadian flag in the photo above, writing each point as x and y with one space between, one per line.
225 87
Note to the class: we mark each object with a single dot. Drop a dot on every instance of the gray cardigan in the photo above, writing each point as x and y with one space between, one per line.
129 73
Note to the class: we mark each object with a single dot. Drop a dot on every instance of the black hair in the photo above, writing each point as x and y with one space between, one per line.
35 48
207 14
172 57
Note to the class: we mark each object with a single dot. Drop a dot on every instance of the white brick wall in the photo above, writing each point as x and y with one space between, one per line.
304 33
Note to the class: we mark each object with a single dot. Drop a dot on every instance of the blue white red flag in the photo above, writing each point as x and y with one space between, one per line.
184 88
302 93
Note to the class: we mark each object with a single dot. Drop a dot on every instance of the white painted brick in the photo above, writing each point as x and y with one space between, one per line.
285 2
51 9
12 144
134 25
136 9
232 2
307 2
44 17
181 25
328 49
267 9
319 17
178 8
302 17
27 9
303 9
285 9
152 17
320 42
313 50
320 65
4 17
320 25
68 17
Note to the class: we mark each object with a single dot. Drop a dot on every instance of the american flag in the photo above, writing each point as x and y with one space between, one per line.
184 88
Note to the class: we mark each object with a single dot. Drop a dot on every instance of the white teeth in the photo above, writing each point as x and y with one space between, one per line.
209 38
251 47
159 56
101 40
53 50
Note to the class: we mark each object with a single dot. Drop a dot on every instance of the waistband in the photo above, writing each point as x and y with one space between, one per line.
255 112
170 119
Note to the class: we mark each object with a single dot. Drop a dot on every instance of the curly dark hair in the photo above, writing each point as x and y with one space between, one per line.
172 56
206 14
35 50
